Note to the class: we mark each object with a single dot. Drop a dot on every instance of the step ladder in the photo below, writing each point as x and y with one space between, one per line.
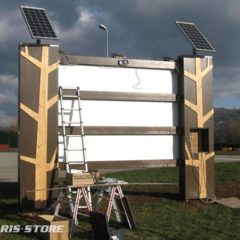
117 202
75 97
81 194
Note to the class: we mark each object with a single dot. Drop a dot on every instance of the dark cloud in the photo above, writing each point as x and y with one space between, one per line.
137 29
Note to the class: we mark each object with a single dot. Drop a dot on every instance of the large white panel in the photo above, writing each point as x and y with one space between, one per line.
98 78
115 148
120 113
109 113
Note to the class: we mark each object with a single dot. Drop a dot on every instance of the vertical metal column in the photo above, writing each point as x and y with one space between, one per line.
38 111
197 155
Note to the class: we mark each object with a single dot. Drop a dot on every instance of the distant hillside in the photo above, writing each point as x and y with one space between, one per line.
227 125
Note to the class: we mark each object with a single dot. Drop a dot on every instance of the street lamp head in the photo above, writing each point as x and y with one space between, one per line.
103 27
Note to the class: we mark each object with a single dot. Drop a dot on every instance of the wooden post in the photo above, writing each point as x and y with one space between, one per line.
38 112
197 158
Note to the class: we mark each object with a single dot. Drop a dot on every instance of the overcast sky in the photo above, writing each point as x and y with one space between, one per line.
142 29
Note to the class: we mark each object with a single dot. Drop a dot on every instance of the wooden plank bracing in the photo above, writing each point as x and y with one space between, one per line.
38 118
197 168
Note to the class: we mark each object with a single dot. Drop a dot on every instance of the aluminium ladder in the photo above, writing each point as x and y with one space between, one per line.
65 124
74 96
117 201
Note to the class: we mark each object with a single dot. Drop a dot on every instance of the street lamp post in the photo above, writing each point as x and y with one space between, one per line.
103 27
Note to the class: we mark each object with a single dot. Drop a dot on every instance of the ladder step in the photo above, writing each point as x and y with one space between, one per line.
72 122
70 109
65 88
74 149
69 135
66 97
82 207
74 163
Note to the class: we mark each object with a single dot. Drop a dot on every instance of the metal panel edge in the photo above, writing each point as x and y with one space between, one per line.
114 62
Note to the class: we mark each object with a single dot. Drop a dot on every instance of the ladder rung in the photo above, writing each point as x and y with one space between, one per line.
63 88
74 163
70 109
74 149
69 135
65 97
72 122
82 207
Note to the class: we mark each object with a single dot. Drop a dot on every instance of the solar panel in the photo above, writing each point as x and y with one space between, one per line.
195 37
38 23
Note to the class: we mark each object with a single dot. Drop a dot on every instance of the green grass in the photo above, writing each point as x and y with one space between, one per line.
158 212
147 175
168 219
228 172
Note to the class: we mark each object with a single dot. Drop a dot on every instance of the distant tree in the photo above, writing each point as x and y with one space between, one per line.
227 126
14 125
8 136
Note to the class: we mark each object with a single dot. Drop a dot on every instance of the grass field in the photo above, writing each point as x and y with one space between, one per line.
158 212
